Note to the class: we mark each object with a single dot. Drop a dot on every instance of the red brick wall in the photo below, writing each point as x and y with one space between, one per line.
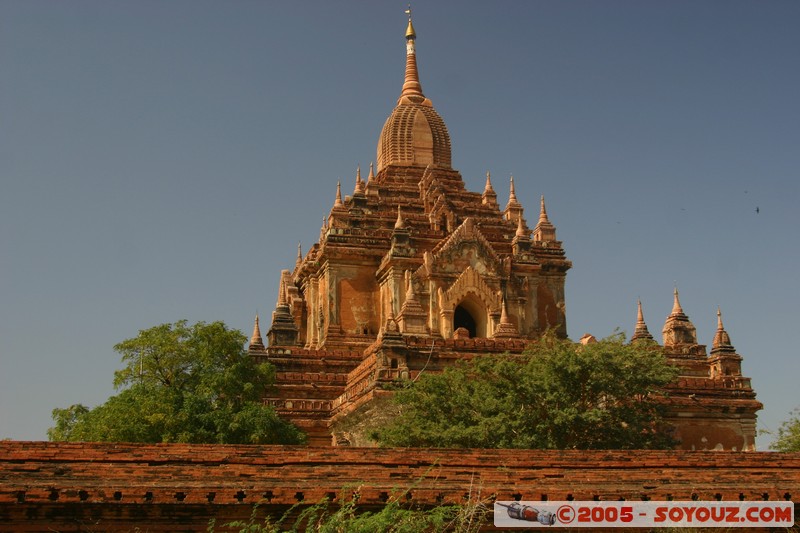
179 487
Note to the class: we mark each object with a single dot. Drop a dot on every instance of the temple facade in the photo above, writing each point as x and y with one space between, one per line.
413 272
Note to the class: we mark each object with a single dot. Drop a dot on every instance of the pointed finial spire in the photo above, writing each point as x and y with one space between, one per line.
371 172
282 293
411 85
399 223
488 188
411 295
676 305
338 202
256 342
299 254
504 313
521 233
359 182
544 230
505 328
543 212
722 341
641 331
678 329
512 195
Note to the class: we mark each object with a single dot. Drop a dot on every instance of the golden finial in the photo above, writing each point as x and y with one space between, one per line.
410 33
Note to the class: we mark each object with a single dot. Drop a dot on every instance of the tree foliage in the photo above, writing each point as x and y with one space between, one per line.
789 434
182 383
557 395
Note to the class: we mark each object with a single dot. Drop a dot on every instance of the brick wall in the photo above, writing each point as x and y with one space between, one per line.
179 487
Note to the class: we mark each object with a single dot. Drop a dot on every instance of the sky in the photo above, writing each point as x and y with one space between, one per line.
162 160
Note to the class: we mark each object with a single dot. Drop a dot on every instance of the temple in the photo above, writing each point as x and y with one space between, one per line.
413 272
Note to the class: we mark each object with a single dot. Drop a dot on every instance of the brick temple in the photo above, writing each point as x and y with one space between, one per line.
413 272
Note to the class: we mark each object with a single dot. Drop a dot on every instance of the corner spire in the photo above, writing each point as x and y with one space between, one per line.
521 233
676 304
338 202
371 172
359 182
678 329
299 255
543 212
641 332
722 341
487 189
512 194
256 342
544 231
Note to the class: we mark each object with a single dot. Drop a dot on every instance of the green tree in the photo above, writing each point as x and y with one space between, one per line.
182 383
789 434
558 394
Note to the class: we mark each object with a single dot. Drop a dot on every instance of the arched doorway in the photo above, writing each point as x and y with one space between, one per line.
471 315
462 319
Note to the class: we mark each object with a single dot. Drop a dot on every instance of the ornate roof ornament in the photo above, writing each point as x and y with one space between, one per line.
400 223
256 341
641 332
359 183
521 231
505 328
512 195
544 231
722 341
678 329
338 204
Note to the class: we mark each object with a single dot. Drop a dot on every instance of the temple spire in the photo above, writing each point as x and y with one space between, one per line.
359 182
338 202
544 231
641 331
521 233
371 172
400 223
256 342
489 197
505 328
676 304
512 195
488 188
543 213
678 329
281 294
411 85
299 255
722 341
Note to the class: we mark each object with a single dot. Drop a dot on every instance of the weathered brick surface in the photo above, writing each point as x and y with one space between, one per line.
179 487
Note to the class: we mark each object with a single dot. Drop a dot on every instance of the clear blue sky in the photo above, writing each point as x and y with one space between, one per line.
161 160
